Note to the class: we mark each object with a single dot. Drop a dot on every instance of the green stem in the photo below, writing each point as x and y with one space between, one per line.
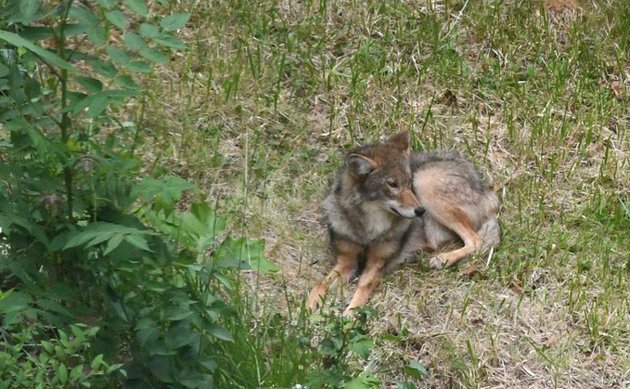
66 122
139 124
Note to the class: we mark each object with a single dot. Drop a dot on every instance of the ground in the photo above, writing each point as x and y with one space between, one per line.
259 110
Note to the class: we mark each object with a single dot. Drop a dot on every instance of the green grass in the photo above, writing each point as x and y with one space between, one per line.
261 108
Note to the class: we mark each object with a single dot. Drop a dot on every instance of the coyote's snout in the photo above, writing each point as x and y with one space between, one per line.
387 204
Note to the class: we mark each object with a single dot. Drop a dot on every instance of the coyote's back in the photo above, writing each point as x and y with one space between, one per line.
459 204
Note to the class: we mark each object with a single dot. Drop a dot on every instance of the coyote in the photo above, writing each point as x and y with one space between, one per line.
387 204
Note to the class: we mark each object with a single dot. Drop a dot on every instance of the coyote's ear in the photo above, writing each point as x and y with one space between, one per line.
360 165
400 141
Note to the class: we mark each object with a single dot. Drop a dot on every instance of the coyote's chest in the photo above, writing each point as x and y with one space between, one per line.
363 224
377 222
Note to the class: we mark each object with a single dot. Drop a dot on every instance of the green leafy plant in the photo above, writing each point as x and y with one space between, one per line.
65 360
85 240
343 340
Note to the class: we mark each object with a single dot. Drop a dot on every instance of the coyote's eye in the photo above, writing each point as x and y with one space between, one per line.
392 184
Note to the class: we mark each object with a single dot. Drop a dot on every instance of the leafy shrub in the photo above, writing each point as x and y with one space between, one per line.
84 241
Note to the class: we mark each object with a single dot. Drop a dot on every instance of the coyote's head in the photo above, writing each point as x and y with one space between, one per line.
381 174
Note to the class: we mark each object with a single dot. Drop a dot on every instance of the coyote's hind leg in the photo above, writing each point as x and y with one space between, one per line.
457 221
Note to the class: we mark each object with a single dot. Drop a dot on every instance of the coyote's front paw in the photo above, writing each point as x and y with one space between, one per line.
437 262
315 297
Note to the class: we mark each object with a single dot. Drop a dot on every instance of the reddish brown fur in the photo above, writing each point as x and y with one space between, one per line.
347 263
377 258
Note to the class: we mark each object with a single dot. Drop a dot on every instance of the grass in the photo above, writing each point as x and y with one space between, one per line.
258 112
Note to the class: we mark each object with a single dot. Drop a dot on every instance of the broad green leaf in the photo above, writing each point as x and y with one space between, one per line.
144 323
107 4
147 336
149 30
167 190
91 85
48 346
153 54
116 366
330 346
181 298
94 103
220 333
28 9
118 310
103 68
134 41
169 41
361 345
155 286
224 280
36 33
82 15
209 364
76 373
126 81
119 94
80 238
52 306
177 313
46 55
163 368
98 104
98 35
415 369
113 243
365 380
233 263
74 98
180 336
201 226
139 7
118 55
80 103
117 18
174 22
12 301
3 70
32 89
196 380
5 102
78 330
138 241
73 29
97 361
139 67
157 347
45 146
97 229
62 373
250 252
